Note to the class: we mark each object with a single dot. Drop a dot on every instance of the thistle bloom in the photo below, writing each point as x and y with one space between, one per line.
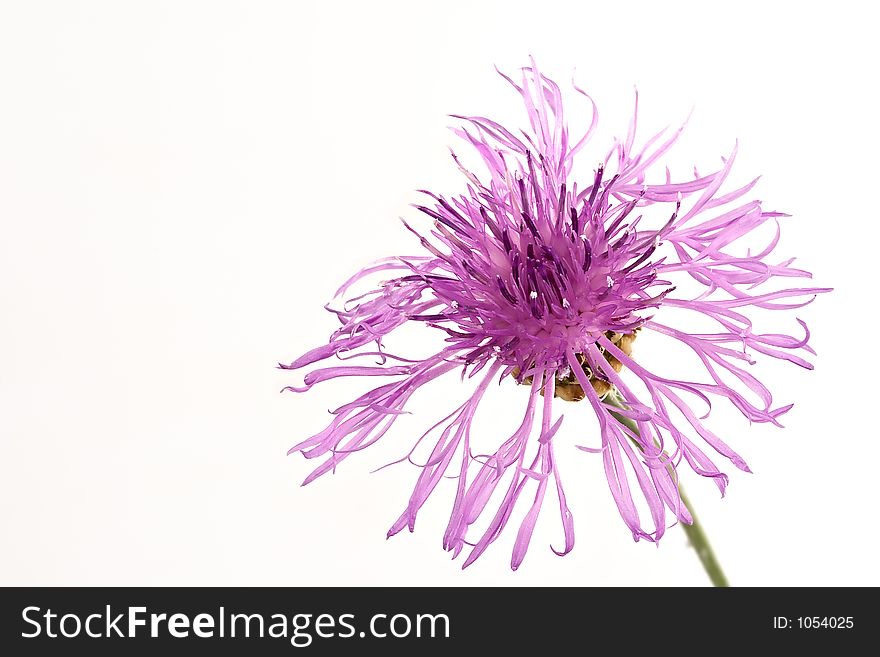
540 278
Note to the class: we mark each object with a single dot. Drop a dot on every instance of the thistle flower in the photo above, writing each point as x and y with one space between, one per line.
537 277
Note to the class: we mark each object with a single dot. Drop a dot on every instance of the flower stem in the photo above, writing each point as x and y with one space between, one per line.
694 532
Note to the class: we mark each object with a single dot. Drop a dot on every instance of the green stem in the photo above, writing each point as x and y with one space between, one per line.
694 532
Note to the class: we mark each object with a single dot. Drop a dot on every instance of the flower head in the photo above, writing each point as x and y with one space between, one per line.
535 276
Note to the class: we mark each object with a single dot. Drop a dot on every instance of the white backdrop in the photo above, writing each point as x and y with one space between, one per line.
182 186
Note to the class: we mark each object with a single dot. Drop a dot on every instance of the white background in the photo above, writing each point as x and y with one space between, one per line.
182 185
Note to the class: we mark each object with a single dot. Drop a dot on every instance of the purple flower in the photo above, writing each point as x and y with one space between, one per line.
535 276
